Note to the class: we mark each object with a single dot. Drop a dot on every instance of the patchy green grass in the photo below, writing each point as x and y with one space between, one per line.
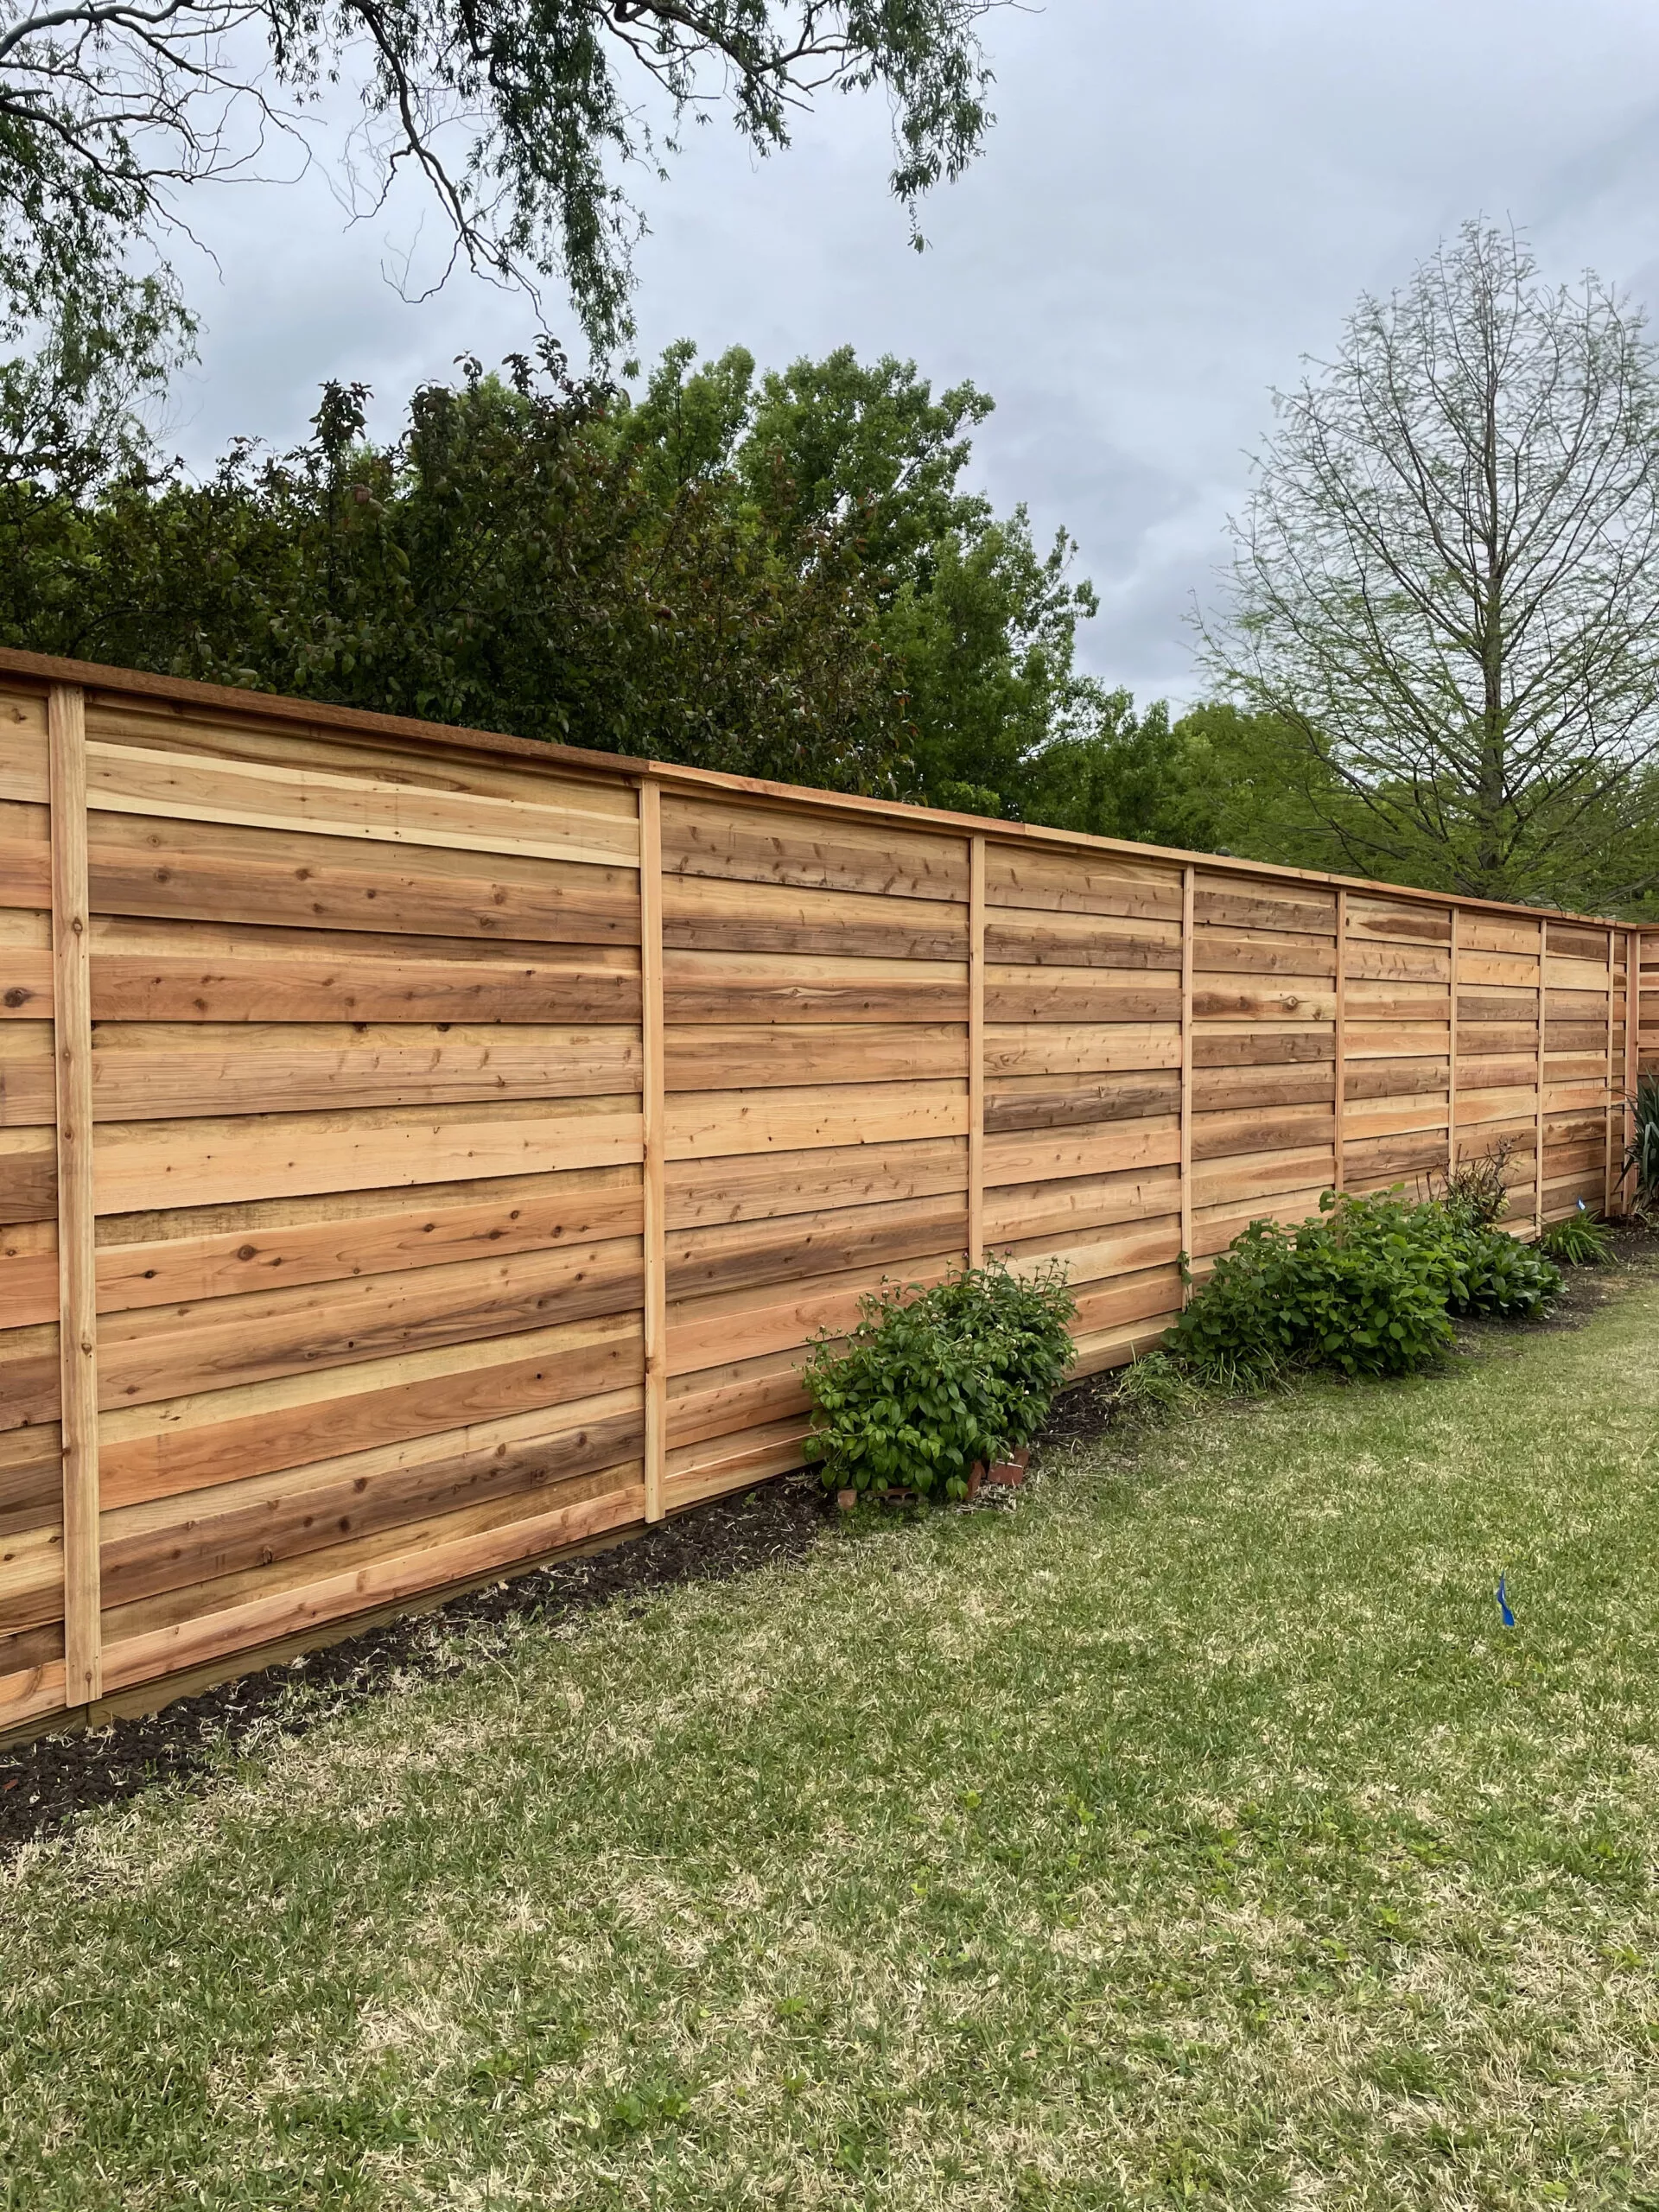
1194 1835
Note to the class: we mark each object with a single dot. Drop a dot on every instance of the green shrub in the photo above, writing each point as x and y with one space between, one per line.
1366 1286
930 1381
1347 1288
1641 1160
1580 1241
1477 1192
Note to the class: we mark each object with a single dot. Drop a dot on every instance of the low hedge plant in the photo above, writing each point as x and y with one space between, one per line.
930 1381
1367 1286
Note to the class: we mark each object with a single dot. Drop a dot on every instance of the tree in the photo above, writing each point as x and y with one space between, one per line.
1446 585
515 113
779 576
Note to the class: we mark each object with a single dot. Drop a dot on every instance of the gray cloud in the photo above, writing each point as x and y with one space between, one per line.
1181 198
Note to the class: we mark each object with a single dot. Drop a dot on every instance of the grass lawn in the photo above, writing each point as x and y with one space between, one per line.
1194 1834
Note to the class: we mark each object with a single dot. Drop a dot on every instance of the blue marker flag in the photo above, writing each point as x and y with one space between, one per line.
1503 1603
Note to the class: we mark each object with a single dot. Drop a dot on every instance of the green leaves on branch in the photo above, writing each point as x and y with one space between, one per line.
518 116
1366 1286
931 1381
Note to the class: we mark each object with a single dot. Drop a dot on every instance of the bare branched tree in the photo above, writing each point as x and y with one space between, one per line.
1447 581
517 113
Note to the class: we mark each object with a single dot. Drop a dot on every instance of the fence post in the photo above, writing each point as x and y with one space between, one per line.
1632 1033
976 1051
1607 1131
72 1029
652 1114
1189 878
1339 1045
1538 1157
1452 1054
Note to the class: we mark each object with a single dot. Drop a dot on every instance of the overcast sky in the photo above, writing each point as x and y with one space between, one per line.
1181 198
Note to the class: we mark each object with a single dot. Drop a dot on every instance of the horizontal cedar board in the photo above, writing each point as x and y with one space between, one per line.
1033 1105
1395 1078
1381 1118
28 1175
247 1524
1382 917
1217 998
1221 1136
1478 932
708 1471
1505 971
1395 1155
1107 1150
1139 1297
1395 1040
1260 1174
1017 940
150 1164
28 1649
28 1377
1255 1049
1084 1048
771 844
711 1124
425 756
36 1691
747 988
1402 963
1064 1208
1261 1089
210 872
1241 903
180 786
695 1416
25 872
711 1058
798 1246
755 1188
1122 1251
705 1331
29 1280
25 981
1011 994
143 1655
148 1356
1314 958
704 915
157 1071
188 1443
388 1231
1080 883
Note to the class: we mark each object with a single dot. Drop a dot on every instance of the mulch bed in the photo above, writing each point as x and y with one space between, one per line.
46 1783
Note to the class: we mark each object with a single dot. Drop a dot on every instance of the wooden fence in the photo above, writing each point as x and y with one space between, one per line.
421 1152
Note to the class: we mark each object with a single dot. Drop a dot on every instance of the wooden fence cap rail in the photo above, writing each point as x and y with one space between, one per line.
323 721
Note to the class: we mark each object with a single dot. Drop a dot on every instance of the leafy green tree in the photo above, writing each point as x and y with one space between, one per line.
1446 583
517 114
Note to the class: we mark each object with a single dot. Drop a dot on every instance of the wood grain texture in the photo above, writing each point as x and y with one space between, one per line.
76 1202
480 1141
976 1042
655 1135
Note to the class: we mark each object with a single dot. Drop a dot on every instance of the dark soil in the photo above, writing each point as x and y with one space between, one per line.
45 1784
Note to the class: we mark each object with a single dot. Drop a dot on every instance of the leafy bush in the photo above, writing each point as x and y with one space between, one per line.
1347 1288
1580 1241
1477 1191
1366 1286
1641 1160
930 1381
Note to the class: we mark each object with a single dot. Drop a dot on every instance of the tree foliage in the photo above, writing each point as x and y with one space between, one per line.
517 114
779 575
1446 583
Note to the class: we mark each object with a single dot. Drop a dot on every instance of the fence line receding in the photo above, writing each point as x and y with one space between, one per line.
478 1134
